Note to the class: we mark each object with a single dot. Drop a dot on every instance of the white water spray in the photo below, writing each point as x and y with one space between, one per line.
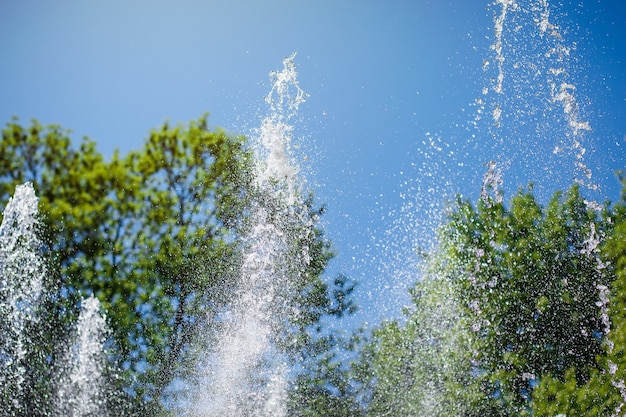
82 388
549 68
246 371
22 272
530 95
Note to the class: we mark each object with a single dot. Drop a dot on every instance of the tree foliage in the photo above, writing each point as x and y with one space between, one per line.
530 284
511 299
325 383
421 365
146 233
604 393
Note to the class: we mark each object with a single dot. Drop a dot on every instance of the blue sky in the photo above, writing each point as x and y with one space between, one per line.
391 128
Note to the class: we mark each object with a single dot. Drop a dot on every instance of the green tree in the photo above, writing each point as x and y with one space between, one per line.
513 294
324 384
147 234
422 365
191 183
604 394
530 285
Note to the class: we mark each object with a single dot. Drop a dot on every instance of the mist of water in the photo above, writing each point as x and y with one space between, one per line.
537 125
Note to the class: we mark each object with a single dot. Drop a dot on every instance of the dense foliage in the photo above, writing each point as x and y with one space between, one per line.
133 230
604 393
511 317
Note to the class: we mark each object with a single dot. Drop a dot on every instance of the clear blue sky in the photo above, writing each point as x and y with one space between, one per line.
390 126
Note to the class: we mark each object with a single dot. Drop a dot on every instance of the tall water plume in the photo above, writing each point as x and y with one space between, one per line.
22 273
246 371
529 125
82 387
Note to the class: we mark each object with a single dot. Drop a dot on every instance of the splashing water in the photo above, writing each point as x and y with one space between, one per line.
273 143
531 97
79 381
528 119
247 372
497 48
21 277
492 184
82 387
550 68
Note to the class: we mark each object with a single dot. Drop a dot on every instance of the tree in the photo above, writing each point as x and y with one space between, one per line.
604 394
139 232
192 183
422 365
324 384
530 283
513 294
